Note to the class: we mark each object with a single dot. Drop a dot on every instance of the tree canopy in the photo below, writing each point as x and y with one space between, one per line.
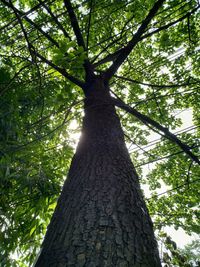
149 52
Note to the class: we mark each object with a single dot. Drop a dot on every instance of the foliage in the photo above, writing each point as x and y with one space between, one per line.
189 256
40 100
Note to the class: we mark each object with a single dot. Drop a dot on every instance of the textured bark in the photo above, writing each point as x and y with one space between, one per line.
101 219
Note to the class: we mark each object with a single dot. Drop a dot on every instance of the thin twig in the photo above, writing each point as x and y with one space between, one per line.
21 14
55 19
155 85
171 190
14 77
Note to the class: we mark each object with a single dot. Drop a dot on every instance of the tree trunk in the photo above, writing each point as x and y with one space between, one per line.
101 219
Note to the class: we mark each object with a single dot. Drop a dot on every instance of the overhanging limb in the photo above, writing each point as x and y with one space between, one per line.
148 121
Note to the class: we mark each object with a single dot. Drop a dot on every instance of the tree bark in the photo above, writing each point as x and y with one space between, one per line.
101 219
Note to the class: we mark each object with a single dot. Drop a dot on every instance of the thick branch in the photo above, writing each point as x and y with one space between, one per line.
136 38
165 27
108 58
74 23
148 121
112 57
79 36
60 70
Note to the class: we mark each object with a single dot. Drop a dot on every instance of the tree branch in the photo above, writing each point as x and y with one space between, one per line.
79 37
173 189
161 158
112 57
108 58
155 85
170 24
67 113
2 91
132 43
30 46
34 53
60 26
148 121
22 14
140 148
26 14
31 50
60 70
89 24
74 23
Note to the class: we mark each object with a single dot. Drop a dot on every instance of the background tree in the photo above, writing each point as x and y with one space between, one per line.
50 50
173 256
